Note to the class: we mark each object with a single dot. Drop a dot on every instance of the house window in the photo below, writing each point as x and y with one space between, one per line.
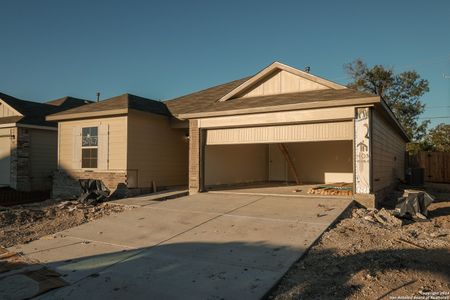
89 148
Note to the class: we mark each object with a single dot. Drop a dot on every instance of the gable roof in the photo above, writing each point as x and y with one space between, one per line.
275 67
225 99
205 102
34 113
112 106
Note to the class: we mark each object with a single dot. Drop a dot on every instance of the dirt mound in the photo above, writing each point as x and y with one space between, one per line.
371 254
24 223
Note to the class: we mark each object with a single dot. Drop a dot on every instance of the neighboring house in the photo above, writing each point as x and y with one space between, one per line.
234 129
28 143
129 142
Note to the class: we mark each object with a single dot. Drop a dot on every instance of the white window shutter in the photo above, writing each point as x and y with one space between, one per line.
103 147
77 148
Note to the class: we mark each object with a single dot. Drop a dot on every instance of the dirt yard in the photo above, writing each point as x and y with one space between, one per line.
363 258
24 223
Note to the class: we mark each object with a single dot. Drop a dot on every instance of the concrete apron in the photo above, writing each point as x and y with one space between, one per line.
205 246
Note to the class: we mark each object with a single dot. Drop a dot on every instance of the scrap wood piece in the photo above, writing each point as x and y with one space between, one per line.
10 260
335 189
31 283
410 243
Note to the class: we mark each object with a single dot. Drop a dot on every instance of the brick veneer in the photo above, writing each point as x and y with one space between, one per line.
194 157
20 160
66 185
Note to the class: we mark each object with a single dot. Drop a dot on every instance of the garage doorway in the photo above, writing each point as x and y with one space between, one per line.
263 168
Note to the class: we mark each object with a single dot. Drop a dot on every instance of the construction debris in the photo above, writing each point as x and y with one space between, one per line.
24 223
30 283
413 204
94 191
382 216
333 189
368 255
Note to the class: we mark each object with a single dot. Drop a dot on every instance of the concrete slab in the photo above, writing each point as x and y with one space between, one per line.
154 275
207 246
151 199
138 227
208 203
306 210
249 242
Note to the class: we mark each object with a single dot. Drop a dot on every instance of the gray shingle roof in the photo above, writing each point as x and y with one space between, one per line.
207 100
121 102
34 113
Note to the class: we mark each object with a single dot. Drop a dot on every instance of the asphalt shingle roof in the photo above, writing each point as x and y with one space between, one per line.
207 100
121 102
34 113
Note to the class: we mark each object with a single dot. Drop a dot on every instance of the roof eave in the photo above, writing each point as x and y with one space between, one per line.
391 115
85 115
286 107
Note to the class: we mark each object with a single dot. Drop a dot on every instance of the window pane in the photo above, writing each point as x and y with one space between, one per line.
90 136
94 153
94 131
85 131
94 163
89 158
85 163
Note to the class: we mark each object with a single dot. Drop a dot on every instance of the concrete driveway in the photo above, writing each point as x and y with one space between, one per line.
206 246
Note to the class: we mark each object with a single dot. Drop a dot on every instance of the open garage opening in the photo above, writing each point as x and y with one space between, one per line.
265 169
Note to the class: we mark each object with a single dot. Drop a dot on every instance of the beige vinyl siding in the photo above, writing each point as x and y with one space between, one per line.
334 131
276 118
388 153
282 82
7 111
5 156
117 142
43 158
233 164
156 152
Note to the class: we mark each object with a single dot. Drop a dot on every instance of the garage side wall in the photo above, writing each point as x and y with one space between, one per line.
156 151
388 156
234 164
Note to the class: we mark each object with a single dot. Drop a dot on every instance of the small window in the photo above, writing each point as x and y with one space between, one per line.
89 148
90 137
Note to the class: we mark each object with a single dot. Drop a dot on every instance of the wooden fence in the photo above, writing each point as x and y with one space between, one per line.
435 164
9 197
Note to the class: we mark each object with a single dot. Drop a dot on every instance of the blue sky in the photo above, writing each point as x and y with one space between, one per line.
164 49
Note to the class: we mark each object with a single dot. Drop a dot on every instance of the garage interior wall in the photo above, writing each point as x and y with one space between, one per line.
322 162
316 162
233 164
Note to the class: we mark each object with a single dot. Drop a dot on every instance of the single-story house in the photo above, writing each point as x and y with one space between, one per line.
331 133
28 143
129 142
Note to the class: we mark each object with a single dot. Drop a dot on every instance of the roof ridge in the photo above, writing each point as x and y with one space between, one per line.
211 87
